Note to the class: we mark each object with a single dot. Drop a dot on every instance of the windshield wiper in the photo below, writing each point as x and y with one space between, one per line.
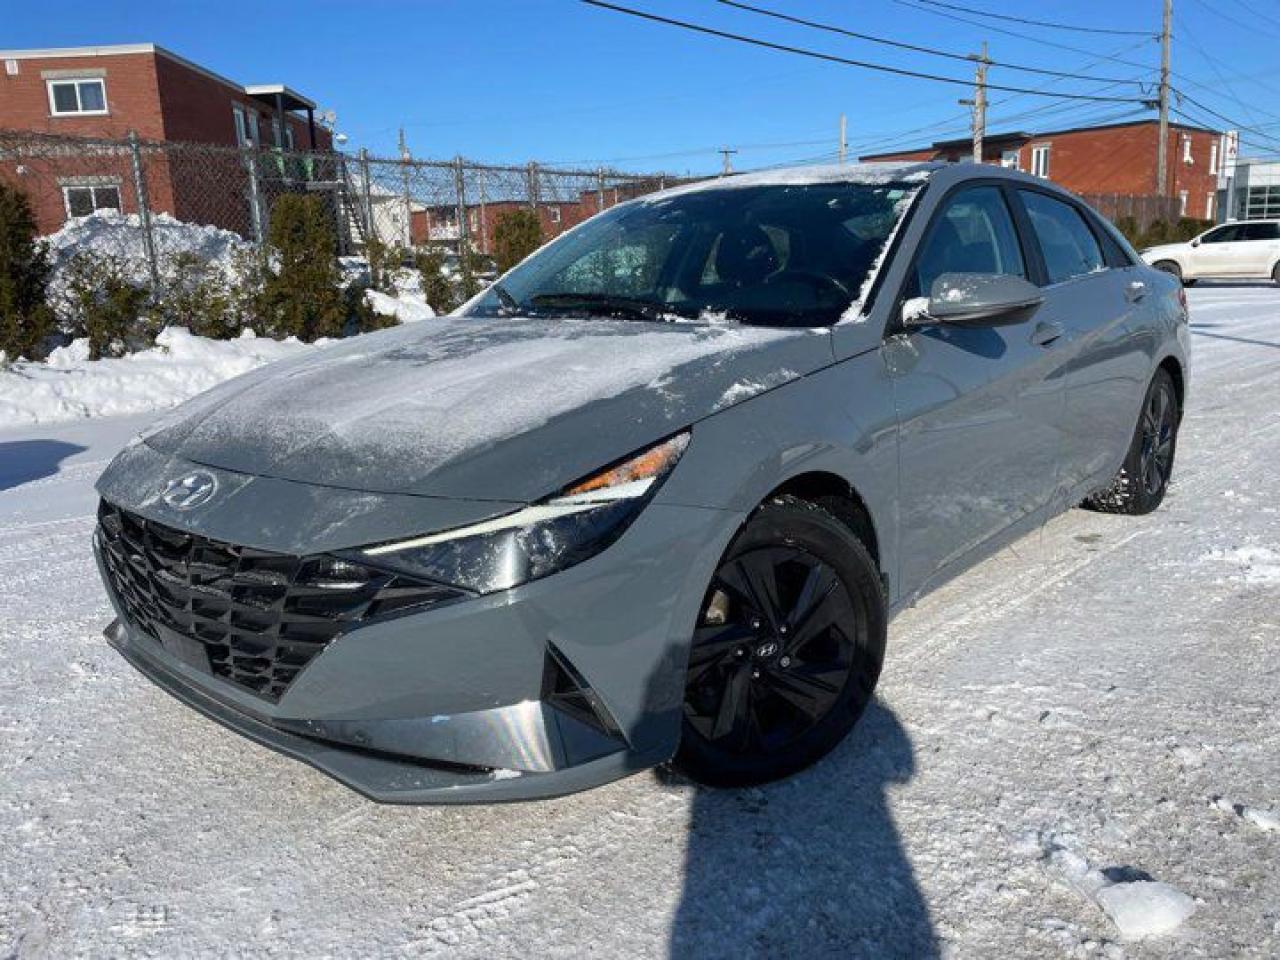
607 304
509 303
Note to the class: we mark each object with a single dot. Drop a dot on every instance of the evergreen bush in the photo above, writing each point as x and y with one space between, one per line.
25 318
516 234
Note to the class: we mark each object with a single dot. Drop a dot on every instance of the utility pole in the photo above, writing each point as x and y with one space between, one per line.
1162 148
979 101
408 202
727 152
844 138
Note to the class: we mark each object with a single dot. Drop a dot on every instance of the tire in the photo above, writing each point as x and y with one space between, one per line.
1169 267
1275 273
1144 476
1189 283
787 650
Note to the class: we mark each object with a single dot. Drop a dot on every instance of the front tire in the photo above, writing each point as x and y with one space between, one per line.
1169 267
1144 476
787 650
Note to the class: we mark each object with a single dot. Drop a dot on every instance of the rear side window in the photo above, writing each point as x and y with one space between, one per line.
1260 231
1068 245
974 234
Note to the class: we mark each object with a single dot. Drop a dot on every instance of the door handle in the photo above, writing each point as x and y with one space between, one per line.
1046 333
1136 290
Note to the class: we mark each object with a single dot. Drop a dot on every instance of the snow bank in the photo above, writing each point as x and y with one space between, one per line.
69 385
405 308
108 232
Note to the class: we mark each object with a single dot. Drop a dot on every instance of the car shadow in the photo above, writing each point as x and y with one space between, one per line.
812 866
22 461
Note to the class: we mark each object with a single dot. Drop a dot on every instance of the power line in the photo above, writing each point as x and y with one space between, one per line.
1182 94
831 58
1036 23
901 45
915 5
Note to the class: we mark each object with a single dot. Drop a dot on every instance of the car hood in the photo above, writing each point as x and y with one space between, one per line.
508 409
1164 250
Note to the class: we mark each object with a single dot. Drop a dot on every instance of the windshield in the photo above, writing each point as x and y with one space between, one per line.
774 255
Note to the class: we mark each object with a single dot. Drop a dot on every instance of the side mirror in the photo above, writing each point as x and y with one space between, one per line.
979 300
1195 242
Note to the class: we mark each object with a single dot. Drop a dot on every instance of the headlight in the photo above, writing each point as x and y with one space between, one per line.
538 540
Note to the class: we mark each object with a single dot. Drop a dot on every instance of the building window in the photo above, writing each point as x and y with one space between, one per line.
246 125
81 201
1186 150
1011 159
1208 206
1040 160
68 98
288 136
554 213
1182 203
1213 158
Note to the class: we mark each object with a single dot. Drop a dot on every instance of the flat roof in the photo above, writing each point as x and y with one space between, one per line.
1010 136
293 100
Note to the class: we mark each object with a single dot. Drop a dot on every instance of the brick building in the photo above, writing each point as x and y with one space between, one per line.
1118 159
439 224
108 92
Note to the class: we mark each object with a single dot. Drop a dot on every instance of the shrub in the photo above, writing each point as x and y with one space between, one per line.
1188 227
301 295
106 306
384 260
436 288
25 318
1129 228
197 295
516 234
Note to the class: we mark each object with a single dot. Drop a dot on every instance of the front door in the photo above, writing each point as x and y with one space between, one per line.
980 410
1217 254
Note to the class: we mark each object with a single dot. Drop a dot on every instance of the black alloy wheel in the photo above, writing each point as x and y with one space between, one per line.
787 649
1158 430
1140 485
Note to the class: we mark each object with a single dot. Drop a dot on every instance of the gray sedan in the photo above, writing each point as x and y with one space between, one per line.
656 494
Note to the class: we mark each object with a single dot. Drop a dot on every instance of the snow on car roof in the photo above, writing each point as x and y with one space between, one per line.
868 173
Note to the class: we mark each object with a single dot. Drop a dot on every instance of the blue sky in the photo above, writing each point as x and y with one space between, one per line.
558 81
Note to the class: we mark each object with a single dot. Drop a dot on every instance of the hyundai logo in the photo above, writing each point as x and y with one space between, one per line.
190 491
767 650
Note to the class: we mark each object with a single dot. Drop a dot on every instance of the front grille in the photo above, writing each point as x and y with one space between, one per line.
259 616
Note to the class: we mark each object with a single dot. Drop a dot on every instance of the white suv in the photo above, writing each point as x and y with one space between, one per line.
1244 250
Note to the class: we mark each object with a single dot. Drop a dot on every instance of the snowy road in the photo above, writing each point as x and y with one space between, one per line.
1080 698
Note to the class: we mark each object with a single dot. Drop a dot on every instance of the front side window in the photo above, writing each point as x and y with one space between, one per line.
769 255
82 201
1066 242
71 97
974 234
1222 234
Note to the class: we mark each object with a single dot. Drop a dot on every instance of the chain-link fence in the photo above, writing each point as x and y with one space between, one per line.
231 192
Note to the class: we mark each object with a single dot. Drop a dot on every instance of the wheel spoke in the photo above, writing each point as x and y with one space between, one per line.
752 578
713 645
809 689
818 586
735 703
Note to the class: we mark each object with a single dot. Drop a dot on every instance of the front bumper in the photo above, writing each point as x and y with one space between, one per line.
453 704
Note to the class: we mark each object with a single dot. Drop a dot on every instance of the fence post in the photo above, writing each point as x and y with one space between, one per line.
600 188
405 162
371 230
344 205
533 186
484 217
460 201
144 211
255 195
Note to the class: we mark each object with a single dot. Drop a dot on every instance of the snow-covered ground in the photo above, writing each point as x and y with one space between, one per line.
1075 752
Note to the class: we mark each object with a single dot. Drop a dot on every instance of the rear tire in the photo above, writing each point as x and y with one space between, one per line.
787 651
1144 476
1275 273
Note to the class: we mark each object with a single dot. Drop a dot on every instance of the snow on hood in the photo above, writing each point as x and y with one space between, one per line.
482 409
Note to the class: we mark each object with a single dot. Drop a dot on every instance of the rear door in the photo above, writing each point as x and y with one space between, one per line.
1094 292
980 410
1259 247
